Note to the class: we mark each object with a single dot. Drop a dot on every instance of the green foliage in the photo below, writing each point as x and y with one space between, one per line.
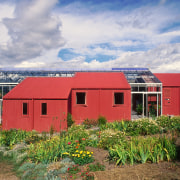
13 136
136 128
102 121
31 171
141 150
70 121
77 132
51 131
139 108
143 127
73 170
47 151
109 138
96 167
169 123
82 157
26 166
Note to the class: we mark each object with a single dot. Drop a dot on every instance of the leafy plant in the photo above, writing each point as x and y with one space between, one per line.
70 121
82 157
73 170
96 167
141 150
102 120
139 109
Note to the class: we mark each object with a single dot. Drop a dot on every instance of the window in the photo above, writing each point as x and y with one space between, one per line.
118 98
25 108
80 97
44 109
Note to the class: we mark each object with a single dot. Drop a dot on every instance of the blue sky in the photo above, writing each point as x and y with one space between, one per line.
91 34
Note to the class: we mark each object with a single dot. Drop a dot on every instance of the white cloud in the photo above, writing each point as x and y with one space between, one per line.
5 11
32 30
142 25
164 58
35 32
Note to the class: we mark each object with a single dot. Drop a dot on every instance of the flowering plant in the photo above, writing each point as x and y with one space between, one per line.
82 157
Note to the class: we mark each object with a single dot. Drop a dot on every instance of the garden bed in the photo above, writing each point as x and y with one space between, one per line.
144 149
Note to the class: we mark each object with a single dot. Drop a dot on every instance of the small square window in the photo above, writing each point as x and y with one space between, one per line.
80 98
44 109
118 98
25 108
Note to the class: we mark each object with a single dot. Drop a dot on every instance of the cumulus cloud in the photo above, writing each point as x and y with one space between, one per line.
139 26
32 30
164 58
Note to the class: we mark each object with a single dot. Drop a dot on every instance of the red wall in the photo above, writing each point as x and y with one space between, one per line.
101 102
56 114
171 100
13 117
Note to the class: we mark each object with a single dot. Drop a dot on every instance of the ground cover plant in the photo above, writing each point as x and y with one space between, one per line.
66 155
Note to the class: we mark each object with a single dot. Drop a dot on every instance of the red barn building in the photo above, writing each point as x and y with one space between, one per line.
39 103
171 92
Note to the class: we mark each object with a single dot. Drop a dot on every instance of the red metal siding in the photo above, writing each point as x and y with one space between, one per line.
171 100
13 115
171 92
101 102
56 115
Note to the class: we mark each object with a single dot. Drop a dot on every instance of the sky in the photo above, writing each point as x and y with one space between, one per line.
90 34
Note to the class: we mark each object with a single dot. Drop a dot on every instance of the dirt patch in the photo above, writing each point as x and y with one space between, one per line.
6 172
160 171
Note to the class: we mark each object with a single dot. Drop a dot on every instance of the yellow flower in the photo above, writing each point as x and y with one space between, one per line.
77 151
91 152
84 155
89 155
88 152
78 155
81 152
65 153
73 155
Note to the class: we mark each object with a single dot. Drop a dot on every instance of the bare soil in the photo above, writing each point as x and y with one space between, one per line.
6 172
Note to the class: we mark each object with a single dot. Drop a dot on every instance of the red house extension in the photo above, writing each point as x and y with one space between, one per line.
171 92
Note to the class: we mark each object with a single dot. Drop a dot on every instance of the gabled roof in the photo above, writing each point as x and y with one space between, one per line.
169 79
60 87
41 88
103 80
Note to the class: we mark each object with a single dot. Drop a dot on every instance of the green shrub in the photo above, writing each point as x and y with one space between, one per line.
108 138
70 121
12 136
77 132
139 109
169 123
102 120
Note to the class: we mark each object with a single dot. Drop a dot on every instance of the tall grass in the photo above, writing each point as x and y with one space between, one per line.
141 150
